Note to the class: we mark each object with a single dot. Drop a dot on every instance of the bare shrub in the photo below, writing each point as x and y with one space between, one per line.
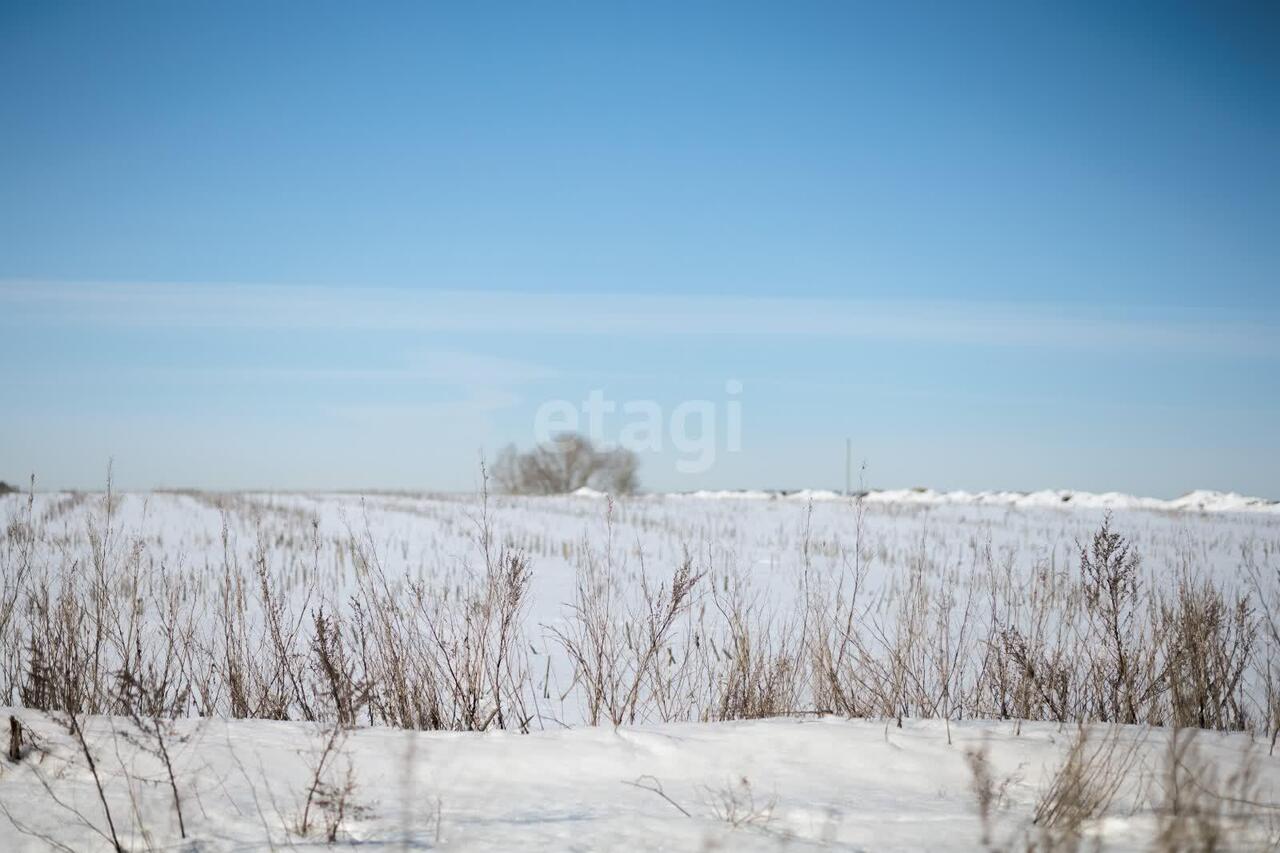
76 729
1045 678
67 806
1074 652
616 642
153 736
478 647
1103 650
738 805
255 636
1199 809
335 668
833 613
989 793
567 463
330 794
757 667
132 637
17 554
1082 789
447 658
653 785
1208 640
336 800
282 683
1030 653
616 660
1266 594
912 661
1124 671
233 656
985 792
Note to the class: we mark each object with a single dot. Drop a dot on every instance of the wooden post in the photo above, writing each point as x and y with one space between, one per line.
15 739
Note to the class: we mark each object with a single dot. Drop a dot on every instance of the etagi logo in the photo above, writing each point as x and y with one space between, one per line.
693 427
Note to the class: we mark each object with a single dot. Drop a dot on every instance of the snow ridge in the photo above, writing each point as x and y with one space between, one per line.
1200 500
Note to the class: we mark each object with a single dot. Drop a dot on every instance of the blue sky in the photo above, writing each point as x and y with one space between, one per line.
323 245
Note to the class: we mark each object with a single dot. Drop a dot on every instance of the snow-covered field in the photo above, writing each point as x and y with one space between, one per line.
808 779
751 785
766 538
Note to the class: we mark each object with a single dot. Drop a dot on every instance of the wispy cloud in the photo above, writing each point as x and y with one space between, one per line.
417 367
358 308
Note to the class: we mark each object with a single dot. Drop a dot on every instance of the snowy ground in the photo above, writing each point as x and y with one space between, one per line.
761 785
765 539
769 784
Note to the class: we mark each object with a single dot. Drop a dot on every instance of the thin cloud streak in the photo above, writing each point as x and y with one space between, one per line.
440 368
261 307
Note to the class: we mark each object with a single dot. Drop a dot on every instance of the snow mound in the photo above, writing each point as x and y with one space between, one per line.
745 494
763 785
588 492
1197 501
1209 501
